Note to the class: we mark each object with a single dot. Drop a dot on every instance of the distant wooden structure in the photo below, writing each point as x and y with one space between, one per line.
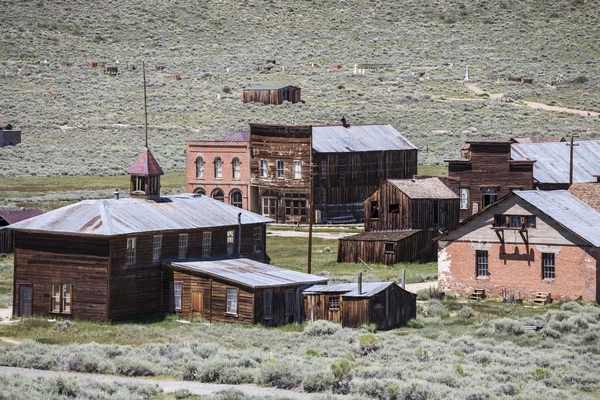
8 217
65 64
272 94
92 64
111 71
384 304
9 137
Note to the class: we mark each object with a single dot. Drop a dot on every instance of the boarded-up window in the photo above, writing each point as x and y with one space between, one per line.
230 242
237 168
280 169
394 208
232 301
206 243
183 245
482 262
334 302
177 294
297 170
548 267
199 168
156 247
130 250
374 210
268 304
262 168
464 198
61 298
258 240
289 301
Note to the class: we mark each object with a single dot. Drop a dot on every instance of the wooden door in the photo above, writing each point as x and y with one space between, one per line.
197 305
26 301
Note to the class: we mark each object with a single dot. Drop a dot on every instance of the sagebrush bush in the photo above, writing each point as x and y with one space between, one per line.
368 344
465 312
280 375
435 308
317 382
321 328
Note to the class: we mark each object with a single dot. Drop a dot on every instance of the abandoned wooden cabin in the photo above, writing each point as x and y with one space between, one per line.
106 259
486 173
9 137
272 94
8 217
402 218
270 168
531 244
552 162
384 304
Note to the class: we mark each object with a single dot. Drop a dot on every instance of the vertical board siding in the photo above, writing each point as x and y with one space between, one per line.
272 96
6 241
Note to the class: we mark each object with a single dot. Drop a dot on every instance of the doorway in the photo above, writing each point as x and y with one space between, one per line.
25 301
197 305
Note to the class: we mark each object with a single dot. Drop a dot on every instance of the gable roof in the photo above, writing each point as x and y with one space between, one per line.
14 216
350 289
552 164
145 165
243 136
427 188
134 215
250 273
338 139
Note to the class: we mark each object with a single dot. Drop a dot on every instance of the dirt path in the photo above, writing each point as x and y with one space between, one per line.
167 386
415 287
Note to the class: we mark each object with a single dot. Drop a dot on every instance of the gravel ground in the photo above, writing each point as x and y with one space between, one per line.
167 386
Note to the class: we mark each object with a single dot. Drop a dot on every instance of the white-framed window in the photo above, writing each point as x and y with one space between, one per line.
130 253
199 167
482 263
206 243
297 169
464 198
262 168
237 168
230 242
236 199
258 240
156 247
183 246
232 301
177 295
268 304
218 168
548 266
334 302
61 298
323 169
289 301
280 169
218 195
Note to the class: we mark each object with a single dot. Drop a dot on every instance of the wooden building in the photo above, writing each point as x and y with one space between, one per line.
486 172
9 137
384 304
348 163
8 217
402 218
531 244
272 94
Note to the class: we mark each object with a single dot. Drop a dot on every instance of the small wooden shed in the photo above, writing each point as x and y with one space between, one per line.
384 304
237 290
272 94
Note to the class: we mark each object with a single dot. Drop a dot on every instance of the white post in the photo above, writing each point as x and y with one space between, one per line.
467 74
355 66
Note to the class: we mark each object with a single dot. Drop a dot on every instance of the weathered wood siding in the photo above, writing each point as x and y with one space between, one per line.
316 306
349 181
6 240
273 96
44 259
279 315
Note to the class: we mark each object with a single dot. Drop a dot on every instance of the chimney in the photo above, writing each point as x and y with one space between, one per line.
345 124
116 194
360 283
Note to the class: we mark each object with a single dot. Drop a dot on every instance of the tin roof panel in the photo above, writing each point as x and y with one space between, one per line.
338 139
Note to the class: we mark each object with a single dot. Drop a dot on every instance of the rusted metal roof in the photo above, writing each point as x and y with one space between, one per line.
243 136
338 139
250 273
387 236
132 215
567 210
14 216
5 127
428 188
589 193
350 289
269 87
145 165
552 164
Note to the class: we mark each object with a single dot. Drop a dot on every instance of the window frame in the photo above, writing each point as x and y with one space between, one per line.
386 247
182 246
548 266
130 252
258 240
334 303
61 303
263 168
219 195
199 167
206 243
229 302
231 242
482 264
233 201
176 296
218 163
236 168
491 194
464 198
374 210
280 169
297 169
156 249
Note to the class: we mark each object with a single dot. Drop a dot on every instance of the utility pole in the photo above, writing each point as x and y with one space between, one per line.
311 203
145 105
571 158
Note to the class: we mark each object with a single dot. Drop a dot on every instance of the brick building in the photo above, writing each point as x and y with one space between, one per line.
527 243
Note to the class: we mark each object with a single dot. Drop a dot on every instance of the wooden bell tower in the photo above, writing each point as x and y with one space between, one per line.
145 175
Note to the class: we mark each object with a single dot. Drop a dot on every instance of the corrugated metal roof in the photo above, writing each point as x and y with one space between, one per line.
14 216
350 289
243 136
552 164
337 139
126 216
388 236
567 210
145 165
428 188
250 273
269 87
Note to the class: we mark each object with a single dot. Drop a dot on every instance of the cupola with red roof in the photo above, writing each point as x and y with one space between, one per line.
145 175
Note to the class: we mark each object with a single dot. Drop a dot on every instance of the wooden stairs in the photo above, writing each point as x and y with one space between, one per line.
477 294
542 298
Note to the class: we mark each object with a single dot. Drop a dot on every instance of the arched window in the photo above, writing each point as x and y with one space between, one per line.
237 170
200 191
218 168
199 167
218 195
236 198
